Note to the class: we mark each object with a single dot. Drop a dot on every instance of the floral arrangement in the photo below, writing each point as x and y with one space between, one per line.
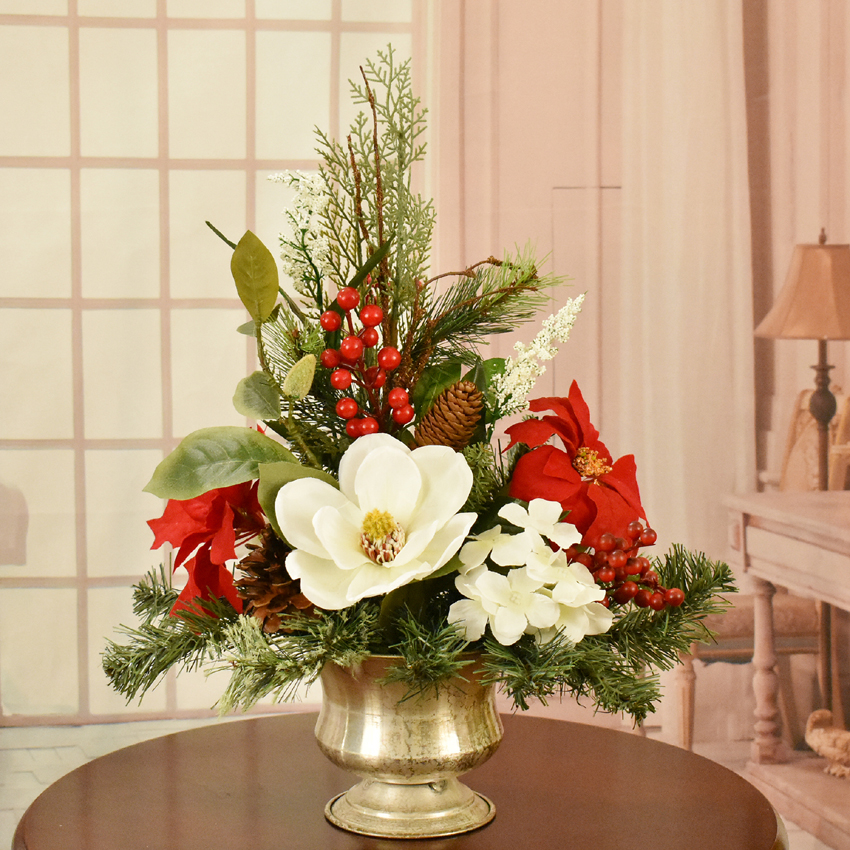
370 510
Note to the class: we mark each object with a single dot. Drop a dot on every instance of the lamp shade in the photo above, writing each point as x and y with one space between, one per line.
815 301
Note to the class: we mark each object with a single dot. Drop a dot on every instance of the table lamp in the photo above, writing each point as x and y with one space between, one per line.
815 304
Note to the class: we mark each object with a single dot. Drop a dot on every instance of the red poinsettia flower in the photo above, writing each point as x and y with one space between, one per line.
205 531
600 494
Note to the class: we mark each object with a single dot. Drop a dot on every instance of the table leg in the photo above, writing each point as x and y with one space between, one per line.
767 747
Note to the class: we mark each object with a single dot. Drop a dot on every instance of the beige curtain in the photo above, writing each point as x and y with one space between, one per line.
686 363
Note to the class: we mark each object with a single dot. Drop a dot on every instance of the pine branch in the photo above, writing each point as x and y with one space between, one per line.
163 641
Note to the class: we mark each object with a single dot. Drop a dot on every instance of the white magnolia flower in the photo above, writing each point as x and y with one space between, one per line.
511 605
393 520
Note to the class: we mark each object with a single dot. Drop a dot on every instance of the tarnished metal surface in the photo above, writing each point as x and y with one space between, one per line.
409 752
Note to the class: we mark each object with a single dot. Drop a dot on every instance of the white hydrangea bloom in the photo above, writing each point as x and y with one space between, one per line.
515 384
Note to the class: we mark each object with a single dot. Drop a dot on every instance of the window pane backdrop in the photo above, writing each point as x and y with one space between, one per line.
127 124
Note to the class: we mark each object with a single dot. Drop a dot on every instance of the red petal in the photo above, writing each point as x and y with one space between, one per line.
532 432
224 540
544 473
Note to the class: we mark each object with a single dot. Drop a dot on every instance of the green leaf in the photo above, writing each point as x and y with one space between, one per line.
299 379
370 264
255 273
248 328
434 380
274 475
212 458
257 397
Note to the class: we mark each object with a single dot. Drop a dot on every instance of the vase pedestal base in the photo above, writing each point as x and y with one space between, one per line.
402 810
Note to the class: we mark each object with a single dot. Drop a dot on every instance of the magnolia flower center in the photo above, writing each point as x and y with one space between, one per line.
588 464
381 537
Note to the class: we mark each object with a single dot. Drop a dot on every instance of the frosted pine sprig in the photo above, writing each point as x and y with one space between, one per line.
514 385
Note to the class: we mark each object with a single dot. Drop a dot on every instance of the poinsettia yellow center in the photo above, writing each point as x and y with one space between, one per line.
588 464
381 537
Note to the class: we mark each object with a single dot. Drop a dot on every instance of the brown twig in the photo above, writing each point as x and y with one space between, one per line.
491 261
358 197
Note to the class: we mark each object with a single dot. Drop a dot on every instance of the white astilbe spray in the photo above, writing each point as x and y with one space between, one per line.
304 252
514 385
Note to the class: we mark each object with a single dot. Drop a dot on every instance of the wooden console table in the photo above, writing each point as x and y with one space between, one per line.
262 784
800 541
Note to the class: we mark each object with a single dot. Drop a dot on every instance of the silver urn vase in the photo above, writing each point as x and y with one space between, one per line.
409 752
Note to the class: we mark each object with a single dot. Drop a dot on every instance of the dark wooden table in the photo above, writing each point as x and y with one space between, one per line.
262 784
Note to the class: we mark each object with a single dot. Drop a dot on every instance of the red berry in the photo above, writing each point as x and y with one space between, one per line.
571 552
389 358
651 577
634 529
642 598
606 601
341 379
376 377
348 298
585 558
369 425
330 358
618 558
632 567
643 564
330 320
674 596
403 415
370 337
352 427
398 397
605 575
626 591
351 348
371 315
656 601
648 537
606 542
347 408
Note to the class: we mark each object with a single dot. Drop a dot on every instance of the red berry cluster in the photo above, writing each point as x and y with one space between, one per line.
626 575
348 365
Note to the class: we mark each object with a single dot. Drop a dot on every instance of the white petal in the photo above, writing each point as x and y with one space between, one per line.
295 506
542 612
388 480
340 538
446 482
564 535
374 579
447 540
573 623
470 616
512 550
523 582
515 514
321 581
357 452
415 545
494 586
543 514
508 626
599 618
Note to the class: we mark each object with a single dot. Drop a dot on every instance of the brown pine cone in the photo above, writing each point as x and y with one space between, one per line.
266 586
453 417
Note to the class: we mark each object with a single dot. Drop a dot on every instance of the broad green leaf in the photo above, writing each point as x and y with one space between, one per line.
248 328
255 273
434 380
370 264
274 475
257 397
299 379
212 458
